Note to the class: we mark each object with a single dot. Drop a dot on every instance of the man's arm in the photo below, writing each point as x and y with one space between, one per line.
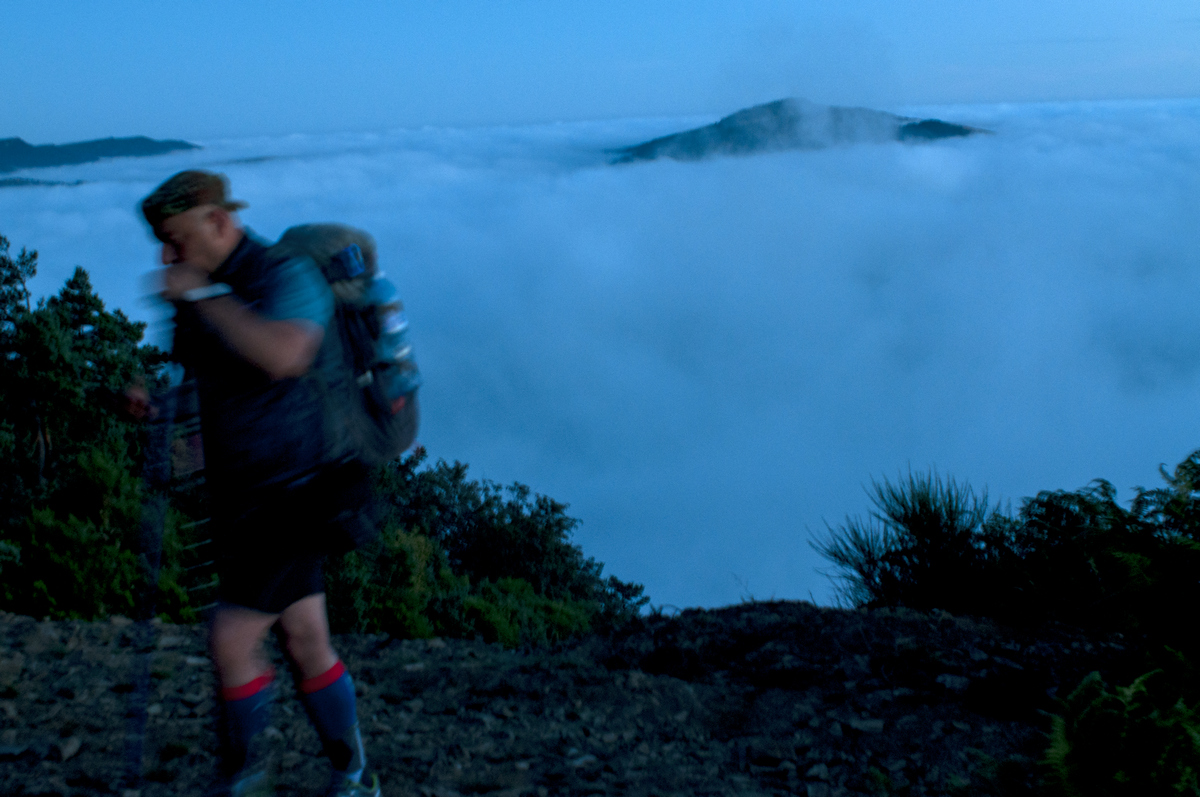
281 349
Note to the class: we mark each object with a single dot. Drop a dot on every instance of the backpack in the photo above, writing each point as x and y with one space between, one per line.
370 379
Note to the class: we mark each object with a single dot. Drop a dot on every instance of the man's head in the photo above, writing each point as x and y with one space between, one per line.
192 215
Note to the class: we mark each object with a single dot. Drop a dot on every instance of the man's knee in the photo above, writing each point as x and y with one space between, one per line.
306 633
303 640
235 641
305 619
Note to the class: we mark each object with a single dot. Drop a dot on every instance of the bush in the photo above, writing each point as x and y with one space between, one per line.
399 585
70 498
925 542
468 558
485 535
1137 740
80 561
1075 557
488 533
511 613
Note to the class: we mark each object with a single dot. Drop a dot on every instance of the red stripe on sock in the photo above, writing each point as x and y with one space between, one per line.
323 680
248 690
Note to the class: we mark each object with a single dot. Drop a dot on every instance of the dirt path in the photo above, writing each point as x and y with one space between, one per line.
770 698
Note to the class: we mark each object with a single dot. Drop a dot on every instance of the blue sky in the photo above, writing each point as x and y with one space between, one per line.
215 69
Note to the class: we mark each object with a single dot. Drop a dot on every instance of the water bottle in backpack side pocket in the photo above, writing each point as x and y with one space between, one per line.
395 366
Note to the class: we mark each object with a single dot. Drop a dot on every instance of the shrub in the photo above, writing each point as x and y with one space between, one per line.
489 533
1137 740
70 499
79 558
460 557
927 544
1075 557
400 585
511 613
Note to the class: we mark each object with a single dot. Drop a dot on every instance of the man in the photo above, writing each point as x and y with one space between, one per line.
253 330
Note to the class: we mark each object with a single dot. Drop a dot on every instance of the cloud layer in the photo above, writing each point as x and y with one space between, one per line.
708 360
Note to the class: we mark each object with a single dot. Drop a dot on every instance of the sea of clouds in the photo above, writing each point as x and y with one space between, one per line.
708 361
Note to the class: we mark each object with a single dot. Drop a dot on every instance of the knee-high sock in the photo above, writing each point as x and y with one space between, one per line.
329 700
245 712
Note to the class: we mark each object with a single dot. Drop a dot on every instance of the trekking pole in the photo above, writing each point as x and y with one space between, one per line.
156 478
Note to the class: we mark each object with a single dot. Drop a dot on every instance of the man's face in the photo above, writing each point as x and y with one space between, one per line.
196 238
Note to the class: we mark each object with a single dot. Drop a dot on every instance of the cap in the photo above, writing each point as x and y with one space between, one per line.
185 191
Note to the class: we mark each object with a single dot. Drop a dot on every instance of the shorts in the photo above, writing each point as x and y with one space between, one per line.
270 586
272 543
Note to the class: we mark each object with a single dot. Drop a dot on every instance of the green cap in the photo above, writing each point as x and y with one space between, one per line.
185 191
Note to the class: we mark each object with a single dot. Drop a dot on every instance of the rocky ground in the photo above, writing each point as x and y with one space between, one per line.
756 699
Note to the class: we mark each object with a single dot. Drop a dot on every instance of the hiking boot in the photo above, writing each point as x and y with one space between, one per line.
246 784
256 778
253 784
351 788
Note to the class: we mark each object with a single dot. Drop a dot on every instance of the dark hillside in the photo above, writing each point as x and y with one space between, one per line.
757 699
18 154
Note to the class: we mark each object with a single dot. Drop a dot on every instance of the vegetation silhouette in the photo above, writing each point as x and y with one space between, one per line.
1075 557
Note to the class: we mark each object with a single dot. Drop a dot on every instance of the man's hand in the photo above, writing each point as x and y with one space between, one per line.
281 349
135 402
179 278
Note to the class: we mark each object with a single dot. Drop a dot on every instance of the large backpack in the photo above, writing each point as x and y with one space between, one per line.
371 387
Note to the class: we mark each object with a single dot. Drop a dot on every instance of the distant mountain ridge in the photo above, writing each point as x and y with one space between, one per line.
16 153
791 124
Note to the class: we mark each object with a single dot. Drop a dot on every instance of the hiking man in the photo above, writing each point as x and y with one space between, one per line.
252 328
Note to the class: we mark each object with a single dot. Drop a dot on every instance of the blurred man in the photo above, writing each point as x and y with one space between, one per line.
251 328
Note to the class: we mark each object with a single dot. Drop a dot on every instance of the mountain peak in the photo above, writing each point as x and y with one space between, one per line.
791 123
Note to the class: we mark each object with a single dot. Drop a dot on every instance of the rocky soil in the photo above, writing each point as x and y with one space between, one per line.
756 699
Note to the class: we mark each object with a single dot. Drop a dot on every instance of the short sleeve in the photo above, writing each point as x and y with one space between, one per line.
299 292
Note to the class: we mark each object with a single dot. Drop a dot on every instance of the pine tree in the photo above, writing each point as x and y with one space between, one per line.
69 492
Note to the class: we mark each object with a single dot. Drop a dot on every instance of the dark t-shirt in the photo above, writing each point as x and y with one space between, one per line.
259 432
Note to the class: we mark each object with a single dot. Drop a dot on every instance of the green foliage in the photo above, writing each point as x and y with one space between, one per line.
487 533
82 563
467 558
173 601
15 274
400 585
1076 557
1137 740
70 497
511 613
925 539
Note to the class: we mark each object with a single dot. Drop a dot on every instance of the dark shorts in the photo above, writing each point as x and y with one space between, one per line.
272 543
270 586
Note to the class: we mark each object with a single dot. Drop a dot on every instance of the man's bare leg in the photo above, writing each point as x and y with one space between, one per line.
327 693
306 631
237 635
235 642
